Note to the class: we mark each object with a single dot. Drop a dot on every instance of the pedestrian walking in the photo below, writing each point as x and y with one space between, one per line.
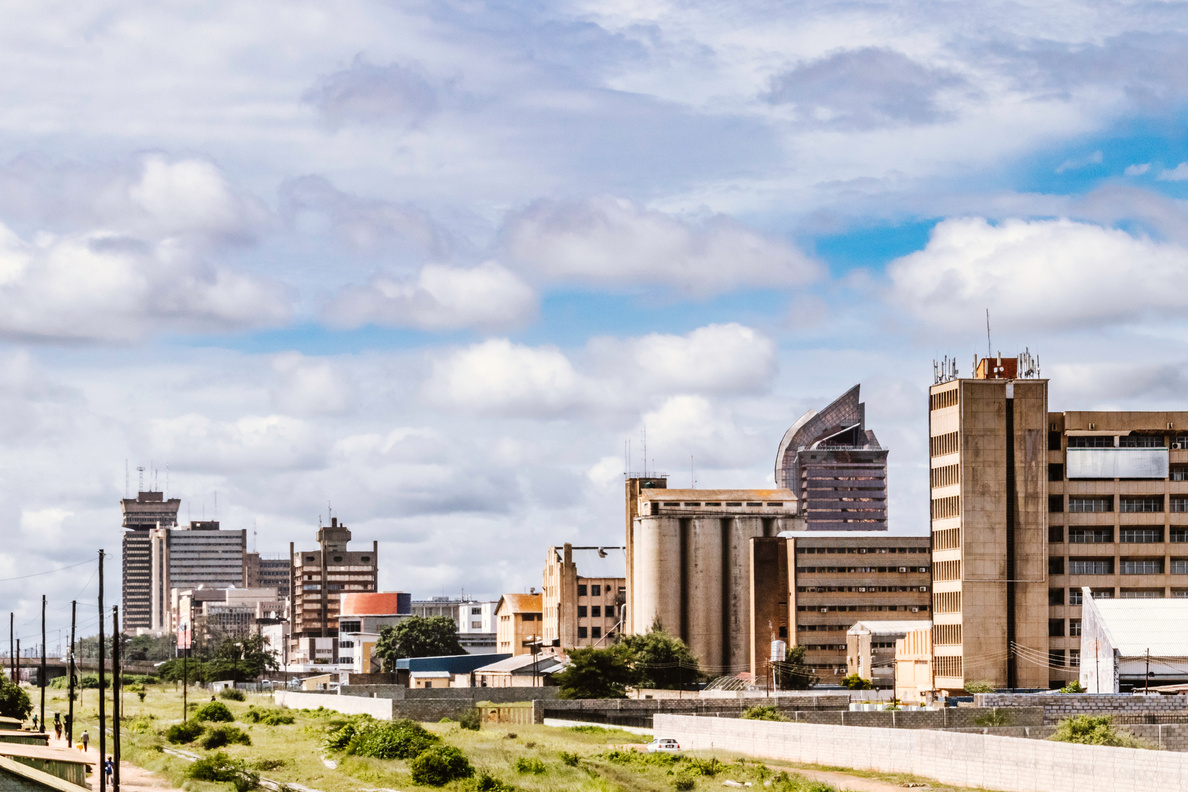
108 769
86 738
34 723
57 729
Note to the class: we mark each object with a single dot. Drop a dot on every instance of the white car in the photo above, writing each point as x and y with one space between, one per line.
663 744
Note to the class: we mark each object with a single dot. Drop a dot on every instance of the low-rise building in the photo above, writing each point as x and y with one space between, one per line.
362 619
518 623
1131 644
476 626
520 671
913 666
585 590
870 649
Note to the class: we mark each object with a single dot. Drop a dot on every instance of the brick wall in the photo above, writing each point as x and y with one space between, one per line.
1062 705
639 712
973 760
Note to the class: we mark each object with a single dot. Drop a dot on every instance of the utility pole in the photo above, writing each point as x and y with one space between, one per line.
41 679
115 697
1147 676
102 697
73 679
11 650
18 662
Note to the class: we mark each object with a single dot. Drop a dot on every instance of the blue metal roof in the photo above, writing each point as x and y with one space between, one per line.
455 664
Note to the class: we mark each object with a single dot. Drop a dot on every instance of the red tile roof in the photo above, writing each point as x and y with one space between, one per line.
375 604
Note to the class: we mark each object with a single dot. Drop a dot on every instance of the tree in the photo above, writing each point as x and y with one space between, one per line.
855 682
597 673
148 647
14 701
794 673
418 637
662 660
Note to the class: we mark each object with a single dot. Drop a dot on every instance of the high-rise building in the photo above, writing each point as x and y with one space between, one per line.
585 590
318 579
988 439
148 510
836 468
194 556
265 572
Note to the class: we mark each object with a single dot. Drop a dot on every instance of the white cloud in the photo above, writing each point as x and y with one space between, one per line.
191 196
1138 169
614 243
442 297
199 442
1178 173
694 426
1077 163
500 377
1037 274
309 386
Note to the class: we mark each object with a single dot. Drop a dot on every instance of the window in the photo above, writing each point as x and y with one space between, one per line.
476 625
581 632
1091 566
1056 628
365 559
1055 533
1090 535
610 611
581 589
350 626
1142 566
595 632
946 476
943 399
783 631
1178 473
944 444
476 611
1056 596
1144 503
581 611
1179 534
1149 535
1074 658
1179 594
1074 627
1055 504
595 590
1141 594
1091 441
1140 441
596 611
947 570
948 634
1179 504
1102 593
948 539
1075 595
1056 658
1179 566
1055 471
1081 504
1055 566
1053 441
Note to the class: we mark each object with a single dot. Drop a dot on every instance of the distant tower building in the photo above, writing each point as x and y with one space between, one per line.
148 510
261 572
318 579
836 467
197 556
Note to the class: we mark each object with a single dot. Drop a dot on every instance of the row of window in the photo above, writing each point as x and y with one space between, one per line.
595 590
594 632
1127 566
862 569
858 589
947 539
596 611
847 608
1076 596
1142 534
946 570
946 398
1127 504
946 476
948 634
946 602
858 550
944 508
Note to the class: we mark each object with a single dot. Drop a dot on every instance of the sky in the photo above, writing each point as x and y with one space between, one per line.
436 268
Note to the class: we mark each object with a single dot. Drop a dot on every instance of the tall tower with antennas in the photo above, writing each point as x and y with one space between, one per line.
148 510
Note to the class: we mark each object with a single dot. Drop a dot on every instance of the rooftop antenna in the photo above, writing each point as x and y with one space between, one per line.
125 477
167 482
989 353
140 478
692 474
254 535
155 488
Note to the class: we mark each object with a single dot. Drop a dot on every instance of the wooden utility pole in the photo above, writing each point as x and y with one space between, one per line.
41 679
115 697
18 662
11 649
102 679
73 679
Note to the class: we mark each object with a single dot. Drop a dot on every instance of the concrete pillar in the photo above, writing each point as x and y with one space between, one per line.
736 643
703 584
657 573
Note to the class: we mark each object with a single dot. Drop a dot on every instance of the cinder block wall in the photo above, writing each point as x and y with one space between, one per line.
1058 706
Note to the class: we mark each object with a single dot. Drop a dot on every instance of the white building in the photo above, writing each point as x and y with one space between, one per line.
194 556
1127 644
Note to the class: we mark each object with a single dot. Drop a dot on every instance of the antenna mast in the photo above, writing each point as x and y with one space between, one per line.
989 353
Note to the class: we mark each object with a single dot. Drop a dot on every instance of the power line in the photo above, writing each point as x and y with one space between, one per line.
47 572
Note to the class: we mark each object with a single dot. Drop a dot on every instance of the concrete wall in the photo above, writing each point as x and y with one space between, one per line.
972 760
378 708
639 712
391 701
1063 705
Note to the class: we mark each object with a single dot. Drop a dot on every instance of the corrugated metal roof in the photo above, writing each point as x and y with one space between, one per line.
545 663
520 603
1139 625
603 562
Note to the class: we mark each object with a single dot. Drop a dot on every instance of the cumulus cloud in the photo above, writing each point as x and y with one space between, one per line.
441 297
200 443
1038 274
1178 173
500 377
863 88
370 94
610 242
309 386
693 425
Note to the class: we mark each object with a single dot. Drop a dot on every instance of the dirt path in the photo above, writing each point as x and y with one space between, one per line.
844 781
132 778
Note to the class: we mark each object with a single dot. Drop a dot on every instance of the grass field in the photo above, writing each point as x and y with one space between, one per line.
584 759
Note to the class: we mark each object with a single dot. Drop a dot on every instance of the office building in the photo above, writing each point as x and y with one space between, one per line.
193 556
476 627
870 649
585 589
362 619
810 589
267 572
518 622
836 468
148 510
988 469
318 579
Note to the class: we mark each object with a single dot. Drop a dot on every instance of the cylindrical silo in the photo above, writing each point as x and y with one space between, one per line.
703 583
656 559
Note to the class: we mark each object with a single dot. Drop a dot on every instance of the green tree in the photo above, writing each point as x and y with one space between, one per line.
14 701
794 673
1095 730
148 647
662 660
418 637
597 673
855 682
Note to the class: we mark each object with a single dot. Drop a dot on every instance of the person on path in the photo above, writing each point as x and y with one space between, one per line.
34 723
108 769
86 738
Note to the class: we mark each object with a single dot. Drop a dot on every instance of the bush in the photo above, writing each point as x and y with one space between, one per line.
14 701
1095 730
682 783
570 759
855 682
340 738
762 713
184 732
269 764
231 694
979 686
225 735
215 712
1075 687
270 717
439 765
471 719
529 764
489 783
219 768
994 717
402 739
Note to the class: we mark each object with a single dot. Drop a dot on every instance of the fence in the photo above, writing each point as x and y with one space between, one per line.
520 714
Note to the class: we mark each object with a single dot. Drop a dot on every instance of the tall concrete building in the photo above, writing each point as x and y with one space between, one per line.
585 589
836 468
318 579
988 441
267 572
148 510
194 556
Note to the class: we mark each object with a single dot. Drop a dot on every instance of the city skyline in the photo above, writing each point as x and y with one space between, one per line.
436 266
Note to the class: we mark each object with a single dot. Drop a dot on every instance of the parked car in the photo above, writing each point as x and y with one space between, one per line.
663 744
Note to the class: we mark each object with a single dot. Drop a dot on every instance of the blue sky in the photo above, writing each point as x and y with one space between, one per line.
436 263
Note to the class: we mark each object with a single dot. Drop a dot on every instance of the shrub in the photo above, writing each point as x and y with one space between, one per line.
269 764
231 694
269 716
762 713
439 765
225 735
402 739
570 759
184 732
471 719
682 783
703 767
14 701
215 712
1074 687
1095 730
855 682
529 764
340 738
979 686
222 769
994 717
489 783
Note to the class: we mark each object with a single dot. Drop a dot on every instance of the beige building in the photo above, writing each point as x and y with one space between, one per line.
989 513
810 588
519 671
585 590
148 510
913 666
266 572
319 578
192 556
518 621
870 649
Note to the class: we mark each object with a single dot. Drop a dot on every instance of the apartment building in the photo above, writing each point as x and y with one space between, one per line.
193 556
809 589
148 510
267 572
585 589
518 622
